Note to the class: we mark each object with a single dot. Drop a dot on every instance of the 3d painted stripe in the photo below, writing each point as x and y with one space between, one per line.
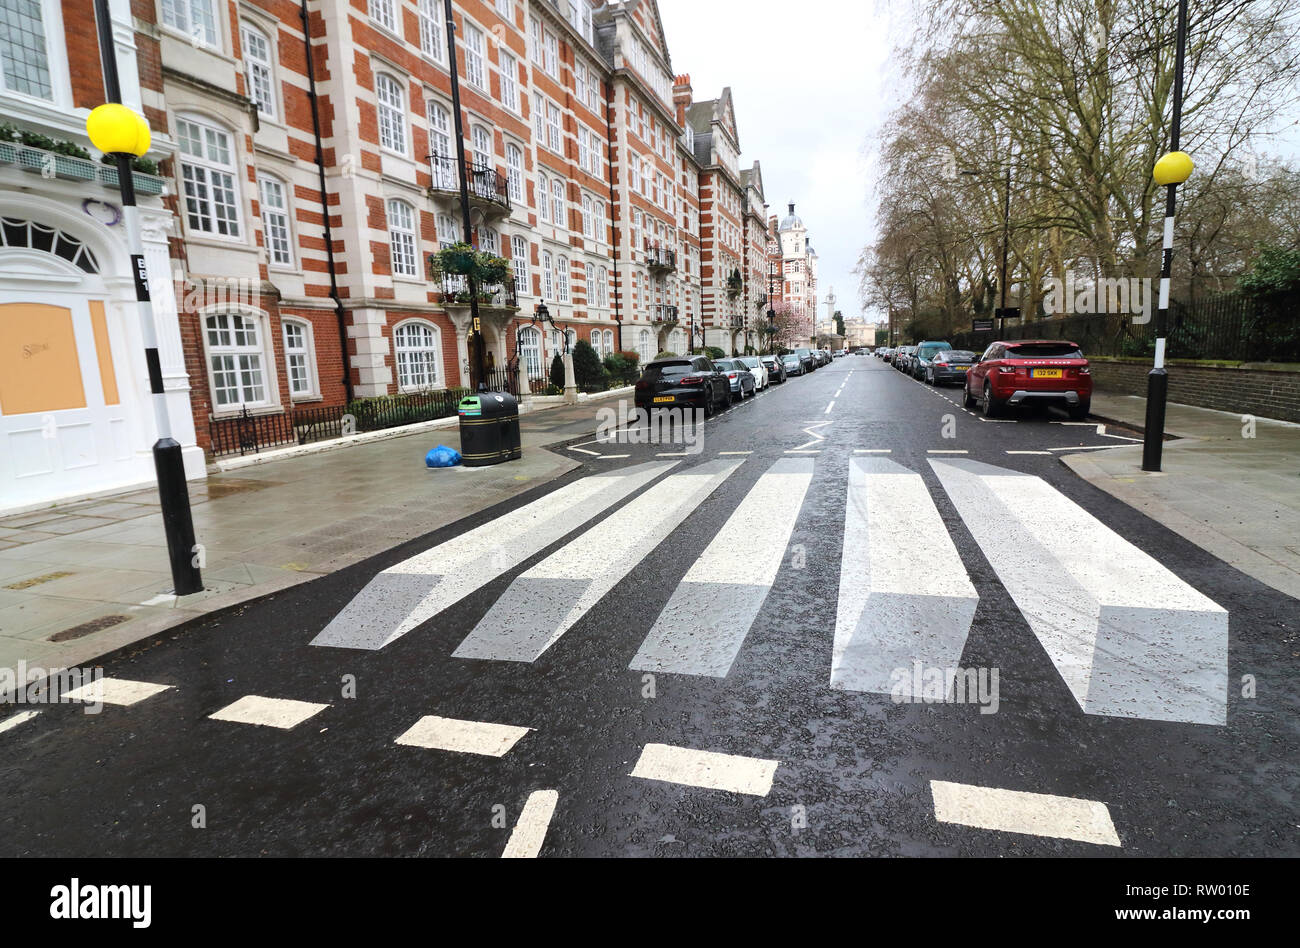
415 590
544 602
904 594
14 720
463 737
706 769
701 629
1128 637
1014 811
530 832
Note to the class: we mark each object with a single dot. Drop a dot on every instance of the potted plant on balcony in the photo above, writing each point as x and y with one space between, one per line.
485 270
734 285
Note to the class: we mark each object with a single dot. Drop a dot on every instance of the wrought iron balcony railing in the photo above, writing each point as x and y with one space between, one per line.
663 313
484 181
660 258
455 292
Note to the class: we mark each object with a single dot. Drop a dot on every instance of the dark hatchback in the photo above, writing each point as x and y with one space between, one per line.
951 365
686 382
776 373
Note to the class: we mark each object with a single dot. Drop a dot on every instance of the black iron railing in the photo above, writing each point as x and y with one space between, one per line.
663 313
455 290
659 257
483 180
503 379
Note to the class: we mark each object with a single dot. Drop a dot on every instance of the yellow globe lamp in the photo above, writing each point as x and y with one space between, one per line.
1174 168
116 130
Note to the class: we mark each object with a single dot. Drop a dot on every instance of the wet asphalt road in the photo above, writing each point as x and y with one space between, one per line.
854 768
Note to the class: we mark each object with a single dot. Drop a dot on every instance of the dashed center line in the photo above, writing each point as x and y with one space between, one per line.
463 737
530 832
706 769
1014 811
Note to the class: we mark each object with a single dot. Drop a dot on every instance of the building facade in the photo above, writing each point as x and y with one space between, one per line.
798 266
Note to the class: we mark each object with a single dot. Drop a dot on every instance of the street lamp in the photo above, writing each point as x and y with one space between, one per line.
1170 171
118 131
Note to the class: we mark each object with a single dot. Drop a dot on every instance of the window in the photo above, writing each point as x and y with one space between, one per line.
432 43
535 39
208 178
602 287
482 144
598 226
530 352
580 81
401 238
235 357
552 53
418 355
448 231
636 230
195 18
554 131
381 11
609 339
392 113
515 172
504 7
562 279
583 20
591 296
644 347
548 275
584 148
636 176
509 82
443 158
544 198
519 257
257 70
298 359
275 220
588 224
475 73
558 217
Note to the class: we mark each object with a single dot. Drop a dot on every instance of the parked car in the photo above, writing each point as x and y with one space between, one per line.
1012 373
903 361
792 364
756 369
825 356
776 371
924 353
807 358
688 381
738 376
951 365
884 353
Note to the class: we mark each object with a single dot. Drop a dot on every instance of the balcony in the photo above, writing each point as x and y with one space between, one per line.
663 315
489 191
760 302
51 164
660 258
500 296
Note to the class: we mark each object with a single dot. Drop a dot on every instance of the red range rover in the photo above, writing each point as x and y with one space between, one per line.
1012 373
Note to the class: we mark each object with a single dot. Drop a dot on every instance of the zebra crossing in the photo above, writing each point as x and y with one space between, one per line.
1127 637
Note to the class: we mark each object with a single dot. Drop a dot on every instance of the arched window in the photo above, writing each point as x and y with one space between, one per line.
299 359
274 203
515 172
440 150
543 198
401 238
418 355
208 177
259 70
391 101
645 346
562 279
519 257
490 241
530 352
588 223
482 142
18 233
235 360
609 342
602 287
557 203
548 275
590 284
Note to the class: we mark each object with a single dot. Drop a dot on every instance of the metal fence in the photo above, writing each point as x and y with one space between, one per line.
1227 327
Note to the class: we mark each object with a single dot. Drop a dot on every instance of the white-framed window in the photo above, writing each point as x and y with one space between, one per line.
562 278
636 175
433 42
551 46
443 156
274 201
235 360
588 223
417 351
475 70
548 275
609 342
259 70
519 260
598 225
481 140
636 230
582 20
602 291
558 216
539 116
544 198
515 172
535 39
509 82
644 346
645 177
590 284
448 231
490 241
208 178
580 81
197 19
593 92
299 359
25 45
391 101
530 352
382 12
554 130
401 238
505 8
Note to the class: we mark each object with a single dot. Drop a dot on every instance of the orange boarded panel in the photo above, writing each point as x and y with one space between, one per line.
39 369
104 351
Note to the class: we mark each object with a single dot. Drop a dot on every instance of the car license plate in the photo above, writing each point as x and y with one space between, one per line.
960 368
664 398
1047 373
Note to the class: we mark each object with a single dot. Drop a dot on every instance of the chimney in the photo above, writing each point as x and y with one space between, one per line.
683 96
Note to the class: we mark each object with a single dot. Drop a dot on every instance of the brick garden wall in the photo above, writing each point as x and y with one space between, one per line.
1267 393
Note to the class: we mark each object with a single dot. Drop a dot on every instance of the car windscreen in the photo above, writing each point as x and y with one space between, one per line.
790 358
749 361
1043 350
802 352
956 355
930 349
668 370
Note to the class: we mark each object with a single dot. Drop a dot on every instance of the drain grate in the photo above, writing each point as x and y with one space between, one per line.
86 628
37 580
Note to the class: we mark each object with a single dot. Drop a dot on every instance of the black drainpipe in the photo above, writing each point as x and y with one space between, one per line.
613 205
339 312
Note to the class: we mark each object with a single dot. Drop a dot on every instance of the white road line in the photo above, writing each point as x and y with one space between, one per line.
706 769
1048 453
829 407
116 691
462 737
614 457
945 451
1087 447
673 454
727 453
873 451
1128 637
816 438
584 451
268 712
545 602
403 596
795 451
530 832
904 595
11 722
701 629
1032 814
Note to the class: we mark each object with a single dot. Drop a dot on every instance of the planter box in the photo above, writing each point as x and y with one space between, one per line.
8 153
37 160
144 183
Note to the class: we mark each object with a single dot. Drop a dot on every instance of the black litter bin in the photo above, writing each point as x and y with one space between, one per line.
489 429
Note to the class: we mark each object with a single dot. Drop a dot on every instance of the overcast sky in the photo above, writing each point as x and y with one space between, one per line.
809 83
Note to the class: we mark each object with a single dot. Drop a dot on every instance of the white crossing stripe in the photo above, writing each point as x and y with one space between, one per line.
701 629
1128 637
945 451
872 451
268 712
22 717
117 691
462 737
904 594
530 832
403 596
544 602
1014 811
706 769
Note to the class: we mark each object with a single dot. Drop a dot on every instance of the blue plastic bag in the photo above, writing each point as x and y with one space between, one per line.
442 456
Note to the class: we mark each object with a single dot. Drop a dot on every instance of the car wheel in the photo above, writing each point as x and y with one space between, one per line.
1080 411
991 405
967 400
708 404
929 376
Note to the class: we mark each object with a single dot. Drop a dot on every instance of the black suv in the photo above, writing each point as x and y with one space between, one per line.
687 381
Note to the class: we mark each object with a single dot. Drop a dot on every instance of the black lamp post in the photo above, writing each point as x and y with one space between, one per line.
1006 247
